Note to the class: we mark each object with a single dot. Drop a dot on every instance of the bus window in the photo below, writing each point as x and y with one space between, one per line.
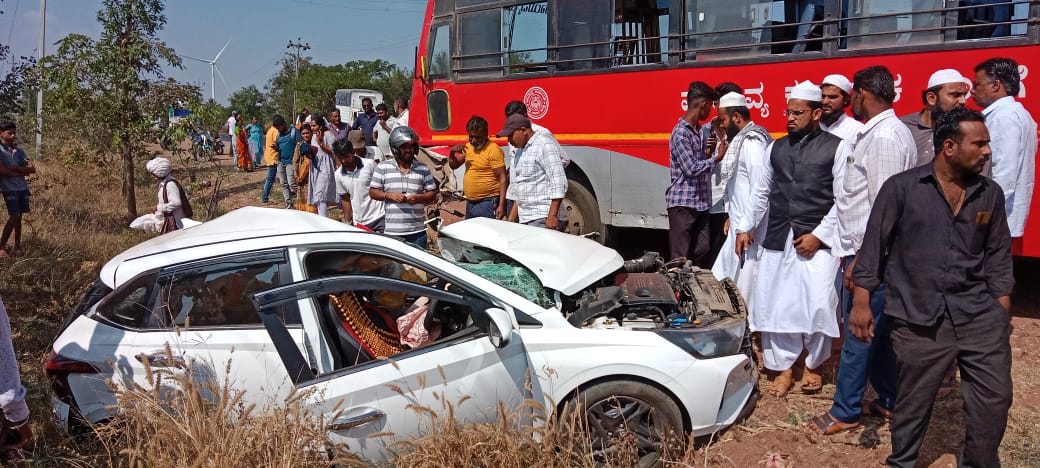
720 29
525 33
870 19
987 16
440 52
480 43
637 31
584 34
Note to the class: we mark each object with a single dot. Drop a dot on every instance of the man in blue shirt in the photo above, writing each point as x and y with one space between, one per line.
14 166
284 145
366 121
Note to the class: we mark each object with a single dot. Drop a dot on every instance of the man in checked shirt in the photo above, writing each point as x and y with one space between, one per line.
537 181
689 196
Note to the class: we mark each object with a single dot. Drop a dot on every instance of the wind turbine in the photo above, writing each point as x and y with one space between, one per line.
213 71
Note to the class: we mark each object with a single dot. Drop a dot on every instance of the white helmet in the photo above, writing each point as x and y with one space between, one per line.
401 136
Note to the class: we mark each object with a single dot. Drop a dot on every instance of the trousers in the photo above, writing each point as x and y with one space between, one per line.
688 235
982 348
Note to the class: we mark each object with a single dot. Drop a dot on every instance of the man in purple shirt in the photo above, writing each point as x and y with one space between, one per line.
688 196
366 121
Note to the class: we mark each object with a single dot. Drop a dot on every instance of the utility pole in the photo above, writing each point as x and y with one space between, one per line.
39 92
298 45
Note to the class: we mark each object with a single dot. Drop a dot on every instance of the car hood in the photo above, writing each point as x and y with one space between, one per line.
564 262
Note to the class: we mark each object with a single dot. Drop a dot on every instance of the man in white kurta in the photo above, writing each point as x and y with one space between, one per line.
747 149
836 97
795 300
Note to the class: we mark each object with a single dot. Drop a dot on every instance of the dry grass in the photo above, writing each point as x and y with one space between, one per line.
180 418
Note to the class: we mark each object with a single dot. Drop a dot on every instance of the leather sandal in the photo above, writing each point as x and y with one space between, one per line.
812 382
874 408
825 424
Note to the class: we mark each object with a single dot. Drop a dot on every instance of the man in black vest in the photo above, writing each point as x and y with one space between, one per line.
797 310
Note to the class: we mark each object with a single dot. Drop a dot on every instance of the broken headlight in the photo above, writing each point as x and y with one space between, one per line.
718 340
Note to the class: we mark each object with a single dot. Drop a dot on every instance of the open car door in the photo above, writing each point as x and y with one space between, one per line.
477 361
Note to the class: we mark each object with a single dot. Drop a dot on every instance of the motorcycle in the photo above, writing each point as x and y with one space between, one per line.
202 145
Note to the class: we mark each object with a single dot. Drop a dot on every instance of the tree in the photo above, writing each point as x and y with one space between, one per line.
108 92
317 84
252 103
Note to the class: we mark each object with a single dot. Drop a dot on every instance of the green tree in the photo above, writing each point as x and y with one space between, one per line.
101 91
317 84
252 103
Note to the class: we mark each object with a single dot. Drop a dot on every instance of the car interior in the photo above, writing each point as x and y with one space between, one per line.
364 325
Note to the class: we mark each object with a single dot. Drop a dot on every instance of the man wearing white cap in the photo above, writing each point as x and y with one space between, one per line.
883 148
835 97
796 311
1013 133
947 89
747 148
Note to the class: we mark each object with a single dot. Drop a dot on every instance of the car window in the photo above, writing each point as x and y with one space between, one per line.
367 324
130 304
217 295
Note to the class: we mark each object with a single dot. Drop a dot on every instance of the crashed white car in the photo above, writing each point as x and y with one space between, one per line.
292 299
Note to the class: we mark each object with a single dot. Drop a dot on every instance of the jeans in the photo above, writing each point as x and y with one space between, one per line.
287 177
484 208
268 182
862 361
419 239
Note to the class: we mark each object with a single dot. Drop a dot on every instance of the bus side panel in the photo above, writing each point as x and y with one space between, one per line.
632 111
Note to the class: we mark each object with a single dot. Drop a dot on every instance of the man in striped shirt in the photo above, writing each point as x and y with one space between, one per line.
405 185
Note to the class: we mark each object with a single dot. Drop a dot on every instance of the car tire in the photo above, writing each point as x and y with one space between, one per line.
609 411
581 211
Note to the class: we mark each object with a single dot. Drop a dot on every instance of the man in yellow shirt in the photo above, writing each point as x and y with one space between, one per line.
486 178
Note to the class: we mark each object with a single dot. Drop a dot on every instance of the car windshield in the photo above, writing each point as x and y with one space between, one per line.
498 269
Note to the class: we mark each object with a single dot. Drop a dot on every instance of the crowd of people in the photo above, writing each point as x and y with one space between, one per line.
371 172
892 233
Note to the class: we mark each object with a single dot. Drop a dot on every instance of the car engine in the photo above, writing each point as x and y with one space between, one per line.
650 294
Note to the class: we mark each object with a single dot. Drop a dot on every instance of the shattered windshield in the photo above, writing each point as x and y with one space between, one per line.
497 268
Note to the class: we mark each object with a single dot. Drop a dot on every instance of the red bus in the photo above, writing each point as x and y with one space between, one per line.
608 78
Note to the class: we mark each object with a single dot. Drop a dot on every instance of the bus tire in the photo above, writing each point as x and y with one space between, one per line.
581 211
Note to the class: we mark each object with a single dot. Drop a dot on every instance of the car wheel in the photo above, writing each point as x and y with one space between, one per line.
581 211
615 411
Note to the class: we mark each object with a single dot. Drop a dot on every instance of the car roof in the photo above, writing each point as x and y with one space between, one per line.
246 228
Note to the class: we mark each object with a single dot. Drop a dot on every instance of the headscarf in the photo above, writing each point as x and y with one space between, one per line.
159 166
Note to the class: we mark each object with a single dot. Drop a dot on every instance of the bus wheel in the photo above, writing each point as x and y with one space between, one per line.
581 212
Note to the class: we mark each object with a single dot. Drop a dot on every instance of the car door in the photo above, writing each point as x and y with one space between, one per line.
373 403
202 319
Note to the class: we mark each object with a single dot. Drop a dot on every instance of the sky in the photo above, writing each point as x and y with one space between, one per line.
338 31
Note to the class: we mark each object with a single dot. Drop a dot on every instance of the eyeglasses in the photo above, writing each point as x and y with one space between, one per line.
795 113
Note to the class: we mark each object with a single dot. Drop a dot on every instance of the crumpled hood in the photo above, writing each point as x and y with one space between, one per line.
564 262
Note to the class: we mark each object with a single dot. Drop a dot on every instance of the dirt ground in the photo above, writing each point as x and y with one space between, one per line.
773 436
774 429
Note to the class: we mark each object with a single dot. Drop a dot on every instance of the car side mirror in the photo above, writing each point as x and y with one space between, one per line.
500 327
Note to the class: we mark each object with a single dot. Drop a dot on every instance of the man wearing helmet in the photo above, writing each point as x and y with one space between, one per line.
405 185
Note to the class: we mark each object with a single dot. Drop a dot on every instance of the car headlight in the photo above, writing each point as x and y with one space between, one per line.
708 342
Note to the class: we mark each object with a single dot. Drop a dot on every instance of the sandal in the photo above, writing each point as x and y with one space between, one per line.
825 424
811 382
781 385
874 408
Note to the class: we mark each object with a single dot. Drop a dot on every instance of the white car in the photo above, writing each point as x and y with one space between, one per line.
292 299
